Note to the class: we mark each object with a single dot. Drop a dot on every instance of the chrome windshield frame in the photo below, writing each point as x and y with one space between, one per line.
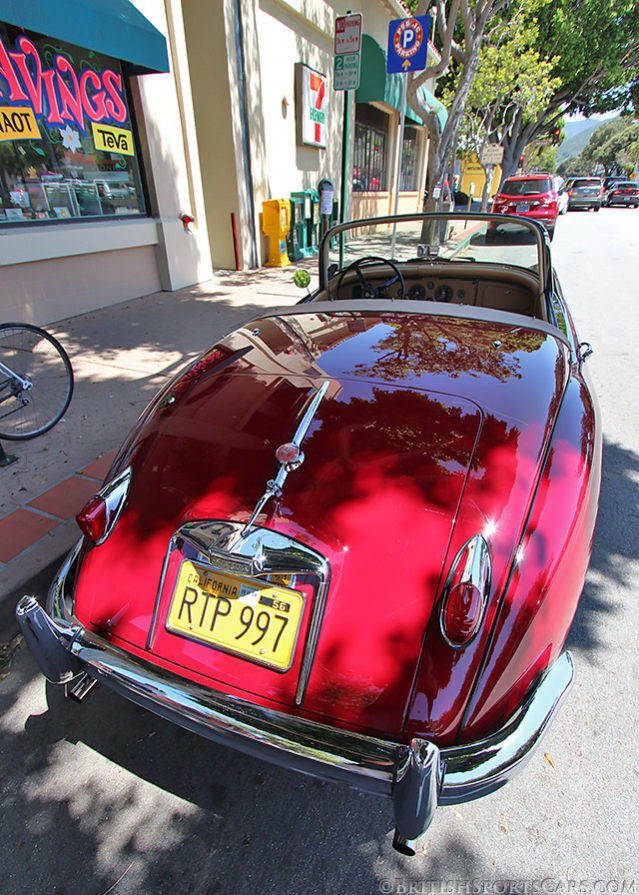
537 230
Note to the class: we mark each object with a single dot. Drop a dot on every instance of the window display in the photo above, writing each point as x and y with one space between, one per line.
408 180
66 134
370 154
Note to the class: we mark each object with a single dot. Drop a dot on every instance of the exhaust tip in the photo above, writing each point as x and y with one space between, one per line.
403 846
80 687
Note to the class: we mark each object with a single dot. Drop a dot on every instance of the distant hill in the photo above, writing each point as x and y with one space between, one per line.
578 134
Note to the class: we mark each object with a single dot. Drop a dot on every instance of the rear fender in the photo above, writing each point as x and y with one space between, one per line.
547 577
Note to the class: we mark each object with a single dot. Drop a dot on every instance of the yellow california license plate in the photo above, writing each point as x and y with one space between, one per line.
253 619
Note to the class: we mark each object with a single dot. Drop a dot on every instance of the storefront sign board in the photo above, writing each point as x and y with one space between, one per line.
18 123
312 107
112 139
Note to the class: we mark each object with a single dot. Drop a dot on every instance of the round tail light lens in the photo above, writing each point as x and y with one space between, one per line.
462 613
466 593
99 515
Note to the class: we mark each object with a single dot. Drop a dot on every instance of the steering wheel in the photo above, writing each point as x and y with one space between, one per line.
369 289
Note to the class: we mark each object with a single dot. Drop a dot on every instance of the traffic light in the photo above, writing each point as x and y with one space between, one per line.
555 136
521 161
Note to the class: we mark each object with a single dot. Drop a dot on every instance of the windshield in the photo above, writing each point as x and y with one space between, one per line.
586 181
525 187
419 238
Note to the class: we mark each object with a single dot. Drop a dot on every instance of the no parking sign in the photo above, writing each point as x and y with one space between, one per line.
408 44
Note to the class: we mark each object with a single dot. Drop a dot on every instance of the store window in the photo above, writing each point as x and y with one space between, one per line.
408 179
66 133
370 162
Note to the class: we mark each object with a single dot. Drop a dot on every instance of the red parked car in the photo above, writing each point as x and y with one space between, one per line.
351 537
530 195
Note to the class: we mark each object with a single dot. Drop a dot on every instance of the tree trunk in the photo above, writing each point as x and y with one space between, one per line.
442 141
485 193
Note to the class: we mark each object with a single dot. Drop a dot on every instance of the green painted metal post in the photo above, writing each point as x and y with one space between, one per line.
342 216
347 115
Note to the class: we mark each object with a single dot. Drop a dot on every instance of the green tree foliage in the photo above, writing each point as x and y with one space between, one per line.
614 145
541 157
594 46
461 25
512 79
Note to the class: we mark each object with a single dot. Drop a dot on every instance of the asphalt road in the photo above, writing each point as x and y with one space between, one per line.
104 797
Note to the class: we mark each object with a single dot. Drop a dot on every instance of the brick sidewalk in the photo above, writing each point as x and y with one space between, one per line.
23 528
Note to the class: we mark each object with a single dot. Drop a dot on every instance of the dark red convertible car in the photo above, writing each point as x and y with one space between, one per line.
351 538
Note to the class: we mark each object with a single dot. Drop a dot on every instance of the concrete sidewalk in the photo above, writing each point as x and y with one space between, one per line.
121 356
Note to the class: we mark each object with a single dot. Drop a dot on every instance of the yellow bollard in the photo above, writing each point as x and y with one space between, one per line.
276 222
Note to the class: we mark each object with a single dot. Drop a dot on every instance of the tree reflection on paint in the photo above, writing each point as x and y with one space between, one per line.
454 348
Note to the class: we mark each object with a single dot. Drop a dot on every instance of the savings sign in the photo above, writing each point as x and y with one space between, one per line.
60 95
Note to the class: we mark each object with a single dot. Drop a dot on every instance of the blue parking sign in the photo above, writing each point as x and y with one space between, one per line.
408 44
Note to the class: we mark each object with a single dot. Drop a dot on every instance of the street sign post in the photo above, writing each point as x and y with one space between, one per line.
348 46
346 72
407 51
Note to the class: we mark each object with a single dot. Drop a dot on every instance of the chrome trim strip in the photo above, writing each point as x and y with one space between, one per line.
368 763
59 602
114 494
274 486
543 244
153 627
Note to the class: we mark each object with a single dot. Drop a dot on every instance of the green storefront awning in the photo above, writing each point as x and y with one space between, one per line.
113 27
376 85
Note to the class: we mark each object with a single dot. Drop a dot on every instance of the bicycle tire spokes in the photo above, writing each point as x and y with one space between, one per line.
41 383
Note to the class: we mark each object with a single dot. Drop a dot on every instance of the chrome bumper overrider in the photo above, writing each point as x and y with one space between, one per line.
417 776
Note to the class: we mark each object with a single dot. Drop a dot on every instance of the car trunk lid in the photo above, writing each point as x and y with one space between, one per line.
408 413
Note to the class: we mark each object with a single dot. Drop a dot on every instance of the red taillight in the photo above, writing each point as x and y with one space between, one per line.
462 613
466 593
100 514
92 518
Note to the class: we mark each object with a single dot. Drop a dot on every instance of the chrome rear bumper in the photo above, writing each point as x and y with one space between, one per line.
417 776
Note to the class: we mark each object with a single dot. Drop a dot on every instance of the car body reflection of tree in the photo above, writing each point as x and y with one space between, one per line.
460 349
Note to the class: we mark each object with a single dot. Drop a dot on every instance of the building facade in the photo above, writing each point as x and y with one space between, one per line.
139 140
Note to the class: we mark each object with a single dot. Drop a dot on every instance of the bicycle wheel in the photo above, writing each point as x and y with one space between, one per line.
36 381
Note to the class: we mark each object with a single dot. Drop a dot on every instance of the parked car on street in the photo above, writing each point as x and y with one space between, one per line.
623 192
351 537
530 195
612 179
585 192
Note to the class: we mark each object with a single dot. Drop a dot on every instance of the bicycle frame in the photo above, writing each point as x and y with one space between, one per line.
25 385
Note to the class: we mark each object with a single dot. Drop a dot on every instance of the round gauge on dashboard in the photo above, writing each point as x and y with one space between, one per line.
417 292
443 292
